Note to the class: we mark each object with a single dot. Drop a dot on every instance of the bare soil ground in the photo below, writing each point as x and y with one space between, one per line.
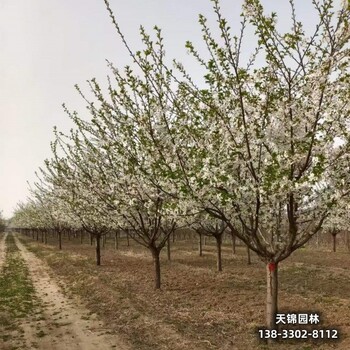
197 307
57 323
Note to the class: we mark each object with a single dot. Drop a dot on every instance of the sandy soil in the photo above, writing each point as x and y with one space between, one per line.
2 250
65 324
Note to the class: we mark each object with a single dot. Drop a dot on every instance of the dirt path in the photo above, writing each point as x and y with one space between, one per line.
63 325
2 250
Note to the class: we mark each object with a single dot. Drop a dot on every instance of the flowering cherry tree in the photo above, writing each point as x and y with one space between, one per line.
120 139
74 179
262 145
264 138
32 217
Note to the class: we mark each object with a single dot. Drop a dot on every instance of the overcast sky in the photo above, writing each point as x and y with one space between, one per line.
47 46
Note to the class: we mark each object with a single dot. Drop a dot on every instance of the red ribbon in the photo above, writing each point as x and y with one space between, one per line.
272 266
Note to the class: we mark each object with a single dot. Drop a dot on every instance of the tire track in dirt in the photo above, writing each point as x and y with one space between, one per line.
2 250
64 326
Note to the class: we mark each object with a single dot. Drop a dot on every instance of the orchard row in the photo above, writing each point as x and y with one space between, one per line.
258 148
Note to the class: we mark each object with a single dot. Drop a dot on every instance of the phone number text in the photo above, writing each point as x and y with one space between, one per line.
298 334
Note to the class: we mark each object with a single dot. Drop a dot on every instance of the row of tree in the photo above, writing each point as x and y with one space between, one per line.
260 147
3 222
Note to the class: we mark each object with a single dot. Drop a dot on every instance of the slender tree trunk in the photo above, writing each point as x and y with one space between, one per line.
127 238
37 235
200 245
233 237
156 261
116 245
334 243
45 237
218 251
248 256
348 240
272 294
59 240
98 249
91 239
168 250
81 236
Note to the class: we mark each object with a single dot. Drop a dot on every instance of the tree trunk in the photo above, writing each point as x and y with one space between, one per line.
91 239
334 243
60 240
81 236
98 249
348 240
45 237
156 261
200 245
233 236
168 249
218 251
116 240
272 294
248 256
37 235
127 237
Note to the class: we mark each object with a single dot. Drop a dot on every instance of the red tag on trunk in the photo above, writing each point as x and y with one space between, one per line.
272 266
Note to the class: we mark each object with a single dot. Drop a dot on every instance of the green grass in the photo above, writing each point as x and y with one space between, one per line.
17 294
